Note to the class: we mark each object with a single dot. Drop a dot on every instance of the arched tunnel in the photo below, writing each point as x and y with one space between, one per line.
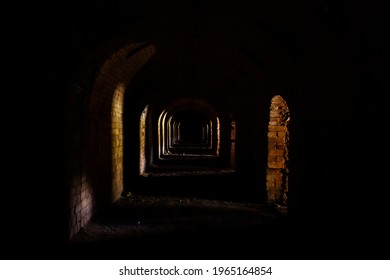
214 127
163 119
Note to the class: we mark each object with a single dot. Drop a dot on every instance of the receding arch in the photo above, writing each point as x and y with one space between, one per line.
185 114
166 145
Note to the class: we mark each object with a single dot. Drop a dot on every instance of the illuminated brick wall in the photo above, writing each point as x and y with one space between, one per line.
95 130
277 165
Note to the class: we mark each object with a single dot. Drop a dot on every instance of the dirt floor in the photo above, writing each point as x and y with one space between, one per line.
157 227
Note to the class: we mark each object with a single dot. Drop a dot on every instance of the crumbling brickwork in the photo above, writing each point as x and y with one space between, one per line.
277 164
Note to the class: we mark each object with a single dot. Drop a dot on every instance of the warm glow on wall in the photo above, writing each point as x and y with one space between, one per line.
117 135
278 139
142 139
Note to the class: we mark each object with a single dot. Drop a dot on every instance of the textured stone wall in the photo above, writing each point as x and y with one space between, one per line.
277 164
142 136
95 128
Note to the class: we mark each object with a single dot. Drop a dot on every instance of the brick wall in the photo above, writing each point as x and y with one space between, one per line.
277 164
95 127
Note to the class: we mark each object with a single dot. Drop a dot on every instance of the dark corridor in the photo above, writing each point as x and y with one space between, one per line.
221 127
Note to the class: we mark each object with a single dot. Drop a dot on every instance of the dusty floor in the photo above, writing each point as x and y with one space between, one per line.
138 216
152 227
172 227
